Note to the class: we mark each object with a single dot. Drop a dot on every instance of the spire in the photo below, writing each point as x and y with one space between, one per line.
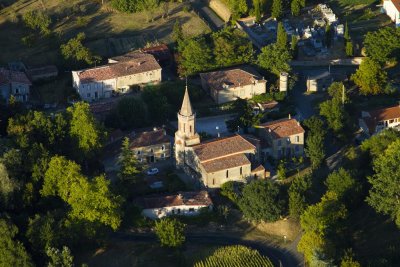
186 109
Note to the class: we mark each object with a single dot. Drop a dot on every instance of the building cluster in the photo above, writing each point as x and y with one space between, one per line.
374 121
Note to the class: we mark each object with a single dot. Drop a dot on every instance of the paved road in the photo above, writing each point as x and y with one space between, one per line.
279 256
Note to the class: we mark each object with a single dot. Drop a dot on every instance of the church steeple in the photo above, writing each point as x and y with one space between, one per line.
186 109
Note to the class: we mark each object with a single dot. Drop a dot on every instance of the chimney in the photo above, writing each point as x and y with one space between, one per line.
269 129
290 117
154 128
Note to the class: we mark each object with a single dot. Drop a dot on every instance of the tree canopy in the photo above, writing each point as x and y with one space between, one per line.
370 77
274 59
382 45
170 232
75 50
384 194
315 148
261 201
299 192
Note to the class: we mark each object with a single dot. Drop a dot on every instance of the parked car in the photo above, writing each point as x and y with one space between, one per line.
152 171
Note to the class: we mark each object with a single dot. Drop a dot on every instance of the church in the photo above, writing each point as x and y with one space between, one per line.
232 158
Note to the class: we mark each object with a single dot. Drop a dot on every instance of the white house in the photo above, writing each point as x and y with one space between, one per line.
116 77
372 122
183 203
392 9
14 83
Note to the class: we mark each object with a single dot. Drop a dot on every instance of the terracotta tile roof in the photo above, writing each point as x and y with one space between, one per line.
149 138
225 163
8 76
132 66
379 115
222 147
220 80
160 52
283 128
200 198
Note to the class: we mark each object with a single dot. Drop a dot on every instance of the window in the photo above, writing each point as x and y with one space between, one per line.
16 90
88 94
241 170
162 147
227 173
391 121
288 141
213 181
151 150
191 210
173 211
297 138
139 152
163 155
190 129
179 211
140 160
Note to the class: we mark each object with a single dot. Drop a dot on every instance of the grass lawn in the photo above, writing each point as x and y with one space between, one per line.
108 33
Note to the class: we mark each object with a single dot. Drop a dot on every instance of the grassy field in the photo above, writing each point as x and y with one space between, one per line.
108 32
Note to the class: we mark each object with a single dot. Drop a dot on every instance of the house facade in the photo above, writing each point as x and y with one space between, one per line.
151 146
14 83
217 161
183 203
116 77
228 85
392 9
284 138
372 122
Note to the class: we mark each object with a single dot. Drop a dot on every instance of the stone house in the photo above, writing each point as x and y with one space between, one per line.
116 77
284 138
217 161
183 203
151 146
14 83
228 85
372 122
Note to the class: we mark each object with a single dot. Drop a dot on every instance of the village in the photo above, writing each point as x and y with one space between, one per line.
248 128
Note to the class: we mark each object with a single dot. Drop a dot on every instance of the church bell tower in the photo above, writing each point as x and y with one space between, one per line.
186 134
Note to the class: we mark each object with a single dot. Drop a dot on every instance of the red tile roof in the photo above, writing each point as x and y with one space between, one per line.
160 52
283 128
8 76
222 147
144 63
224 163
200 198
149 138
219 80
379 115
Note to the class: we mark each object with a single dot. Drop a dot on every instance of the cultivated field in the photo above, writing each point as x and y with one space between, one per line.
108 32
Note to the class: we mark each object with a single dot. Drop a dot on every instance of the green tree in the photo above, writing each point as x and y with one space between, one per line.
343 184
37 20
346 32
261 201
318 223
377 144
43 232
299 195
238 8
382 46
294 45
296 6
60 258
384 194
281 37
84 129
328 35
75 50
232 190
196 56
349 48
7 187
157 103
90 200
122 115
315 149
149 6
274 59
244 118
129 166
281 172
370 77
277 9
177 33
348 260
12 251
170 232
257 10
231 48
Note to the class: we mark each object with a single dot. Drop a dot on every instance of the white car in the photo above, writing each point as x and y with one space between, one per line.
152 171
